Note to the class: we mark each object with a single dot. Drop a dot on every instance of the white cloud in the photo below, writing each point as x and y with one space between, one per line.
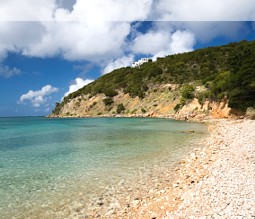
123 10
39 97
151 42
27 10
78 83
82 10
89 30
161 43
8 72
204 10
119 63
182 41
71 40
107 10
19 36
206 31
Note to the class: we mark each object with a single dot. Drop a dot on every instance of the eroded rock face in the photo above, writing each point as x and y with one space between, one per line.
159 101
210 109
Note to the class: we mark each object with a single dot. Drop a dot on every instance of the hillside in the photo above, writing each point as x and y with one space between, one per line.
205 82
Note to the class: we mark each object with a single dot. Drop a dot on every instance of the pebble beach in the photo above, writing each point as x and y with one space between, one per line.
216 180
225 183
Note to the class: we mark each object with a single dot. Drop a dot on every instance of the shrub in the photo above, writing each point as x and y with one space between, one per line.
188 92
120 108
202 96
108 101
143 110
133 111
92 105
58 107
110 92
178 107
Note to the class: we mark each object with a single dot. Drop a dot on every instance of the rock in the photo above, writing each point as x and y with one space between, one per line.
100 203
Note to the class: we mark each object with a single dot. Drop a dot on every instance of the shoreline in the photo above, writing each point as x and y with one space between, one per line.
208 183
223 183
215 179
123 199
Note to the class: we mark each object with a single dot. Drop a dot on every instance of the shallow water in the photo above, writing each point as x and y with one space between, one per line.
47 163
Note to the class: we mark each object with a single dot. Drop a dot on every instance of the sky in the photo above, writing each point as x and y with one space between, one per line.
50 48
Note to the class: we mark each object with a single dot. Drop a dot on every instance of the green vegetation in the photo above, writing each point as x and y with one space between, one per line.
120 108
58 107
226 72
143 110
188 92
178 106
108 101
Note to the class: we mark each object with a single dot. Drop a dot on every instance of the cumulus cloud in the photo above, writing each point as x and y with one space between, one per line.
151 42
78 83
39 97
206 31
100 31
27 10
81 10
7 72
71 40
181 41
18 37
122 10
203 10
119 63
84 36
107 10
161 43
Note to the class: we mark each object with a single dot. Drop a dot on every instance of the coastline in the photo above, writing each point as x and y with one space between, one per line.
223 177
216 180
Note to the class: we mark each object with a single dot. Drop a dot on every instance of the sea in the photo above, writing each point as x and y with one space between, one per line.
47 165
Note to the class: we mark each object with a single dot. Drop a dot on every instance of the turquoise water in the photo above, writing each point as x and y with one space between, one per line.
47 162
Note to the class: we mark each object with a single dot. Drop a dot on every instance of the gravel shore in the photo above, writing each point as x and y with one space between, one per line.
216 180
228 188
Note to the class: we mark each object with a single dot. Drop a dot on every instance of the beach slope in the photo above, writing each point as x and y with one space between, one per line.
223 185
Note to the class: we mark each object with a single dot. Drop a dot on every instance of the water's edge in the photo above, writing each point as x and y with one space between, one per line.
115 179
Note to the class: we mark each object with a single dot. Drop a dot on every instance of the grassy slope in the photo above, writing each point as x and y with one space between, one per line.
226 71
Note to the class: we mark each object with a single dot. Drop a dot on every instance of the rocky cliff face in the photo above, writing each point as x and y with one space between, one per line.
159 101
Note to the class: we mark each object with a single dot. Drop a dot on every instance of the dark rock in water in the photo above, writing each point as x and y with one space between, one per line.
190 131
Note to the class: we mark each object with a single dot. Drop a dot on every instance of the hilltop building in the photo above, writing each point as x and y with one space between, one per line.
139 62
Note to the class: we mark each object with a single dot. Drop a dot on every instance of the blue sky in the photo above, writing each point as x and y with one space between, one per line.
46 56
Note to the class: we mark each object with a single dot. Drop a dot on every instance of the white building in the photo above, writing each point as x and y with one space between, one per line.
139 62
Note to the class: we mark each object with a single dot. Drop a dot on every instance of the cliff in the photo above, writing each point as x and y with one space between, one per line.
159 101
